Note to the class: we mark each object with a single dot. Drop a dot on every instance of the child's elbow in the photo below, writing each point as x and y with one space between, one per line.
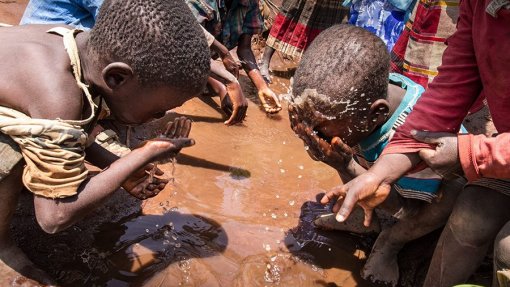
52 222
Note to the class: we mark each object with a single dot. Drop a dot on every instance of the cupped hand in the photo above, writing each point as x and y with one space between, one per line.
171 141
367 190
269 100
142 184
234 104
335 154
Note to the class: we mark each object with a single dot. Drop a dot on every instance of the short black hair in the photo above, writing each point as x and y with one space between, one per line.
343 67
160 39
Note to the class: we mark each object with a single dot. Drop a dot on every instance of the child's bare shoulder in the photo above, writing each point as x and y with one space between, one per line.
37 78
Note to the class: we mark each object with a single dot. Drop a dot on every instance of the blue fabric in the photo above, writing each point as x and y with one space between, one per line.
422 185
384 18
78 13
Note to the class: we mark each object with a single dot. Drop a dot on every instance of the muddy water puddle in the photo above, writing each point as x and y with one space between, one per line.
237 214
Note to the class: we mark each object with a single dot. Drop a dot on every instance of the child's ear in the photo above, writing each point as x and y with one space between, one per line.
379 112
116 74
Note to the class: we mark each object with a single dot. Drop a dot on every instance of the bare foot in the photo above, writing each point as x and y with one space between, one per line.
17 270
382 264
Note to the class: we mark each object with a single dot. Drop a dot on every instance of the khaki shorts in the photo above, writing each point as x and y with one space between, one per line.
10 155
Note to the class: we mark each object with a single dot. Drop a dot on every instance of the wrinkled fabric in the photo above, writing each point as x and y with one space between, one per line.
53 151
380 17
419 50
299 22
475 65
81 14
228 24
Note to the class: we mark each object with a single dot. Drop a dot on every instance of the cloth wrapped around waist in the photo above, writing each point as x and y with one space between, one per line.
54 151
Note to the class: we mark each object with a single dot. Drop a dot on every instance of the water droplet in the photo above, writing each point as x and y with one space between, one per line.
329 249
307 148
267 228
292 202
277 196
264 214
268 248
299 176
284 142
285 214
273 216
147 230
157 225
282 170
301 167
278 241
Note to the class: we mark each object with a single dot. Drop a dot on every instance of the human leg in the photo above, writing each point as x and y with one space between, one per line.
382 264
477 217
266 61
502 257
15 268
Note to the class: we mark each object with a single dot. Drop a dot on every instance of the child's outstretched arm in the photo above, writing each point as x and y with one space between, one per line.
372 187
57 214
268 98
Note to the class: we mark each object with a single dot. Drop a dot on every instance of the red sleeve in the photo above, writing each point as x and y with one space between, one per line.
446 102
481 156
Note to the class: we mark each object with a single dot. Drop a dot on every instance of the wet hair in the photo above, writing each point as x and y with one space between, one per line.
160 39
345 69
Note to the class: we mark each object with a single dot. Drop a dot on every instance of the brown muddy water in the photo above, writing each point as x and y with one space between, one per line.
231 217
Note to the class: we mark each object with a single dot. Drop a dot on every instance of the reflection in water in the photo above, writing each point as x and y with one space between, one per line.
136 249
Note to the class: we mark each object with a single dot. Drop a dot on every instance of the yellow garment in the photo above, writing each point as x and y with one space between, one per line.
54 150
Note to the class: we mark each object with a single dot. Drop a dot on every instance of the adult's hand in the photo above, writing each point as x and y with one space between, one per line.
444 159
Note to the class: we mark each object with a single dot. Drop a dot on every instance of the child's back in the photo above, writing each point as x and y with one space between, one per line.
142 58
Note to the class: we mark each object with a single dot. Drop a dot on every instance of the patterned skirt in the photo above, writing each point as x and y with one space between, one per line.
300 21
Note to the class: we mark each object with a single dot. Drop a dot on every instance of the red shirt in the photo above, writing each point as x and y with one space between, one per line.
476 64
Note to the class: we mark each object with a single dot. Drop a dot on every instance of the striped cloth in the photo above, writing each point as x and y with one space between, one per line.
227 24
499 185
300 21
419 50
424 184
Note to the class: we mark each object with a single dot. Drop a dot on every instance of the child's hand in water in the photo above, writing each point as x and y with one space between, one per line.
234 104
269 100
171 141
142 186
367 190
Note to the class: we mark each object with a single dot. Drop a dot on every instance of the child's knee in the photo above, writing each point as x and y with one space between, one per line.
502 249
